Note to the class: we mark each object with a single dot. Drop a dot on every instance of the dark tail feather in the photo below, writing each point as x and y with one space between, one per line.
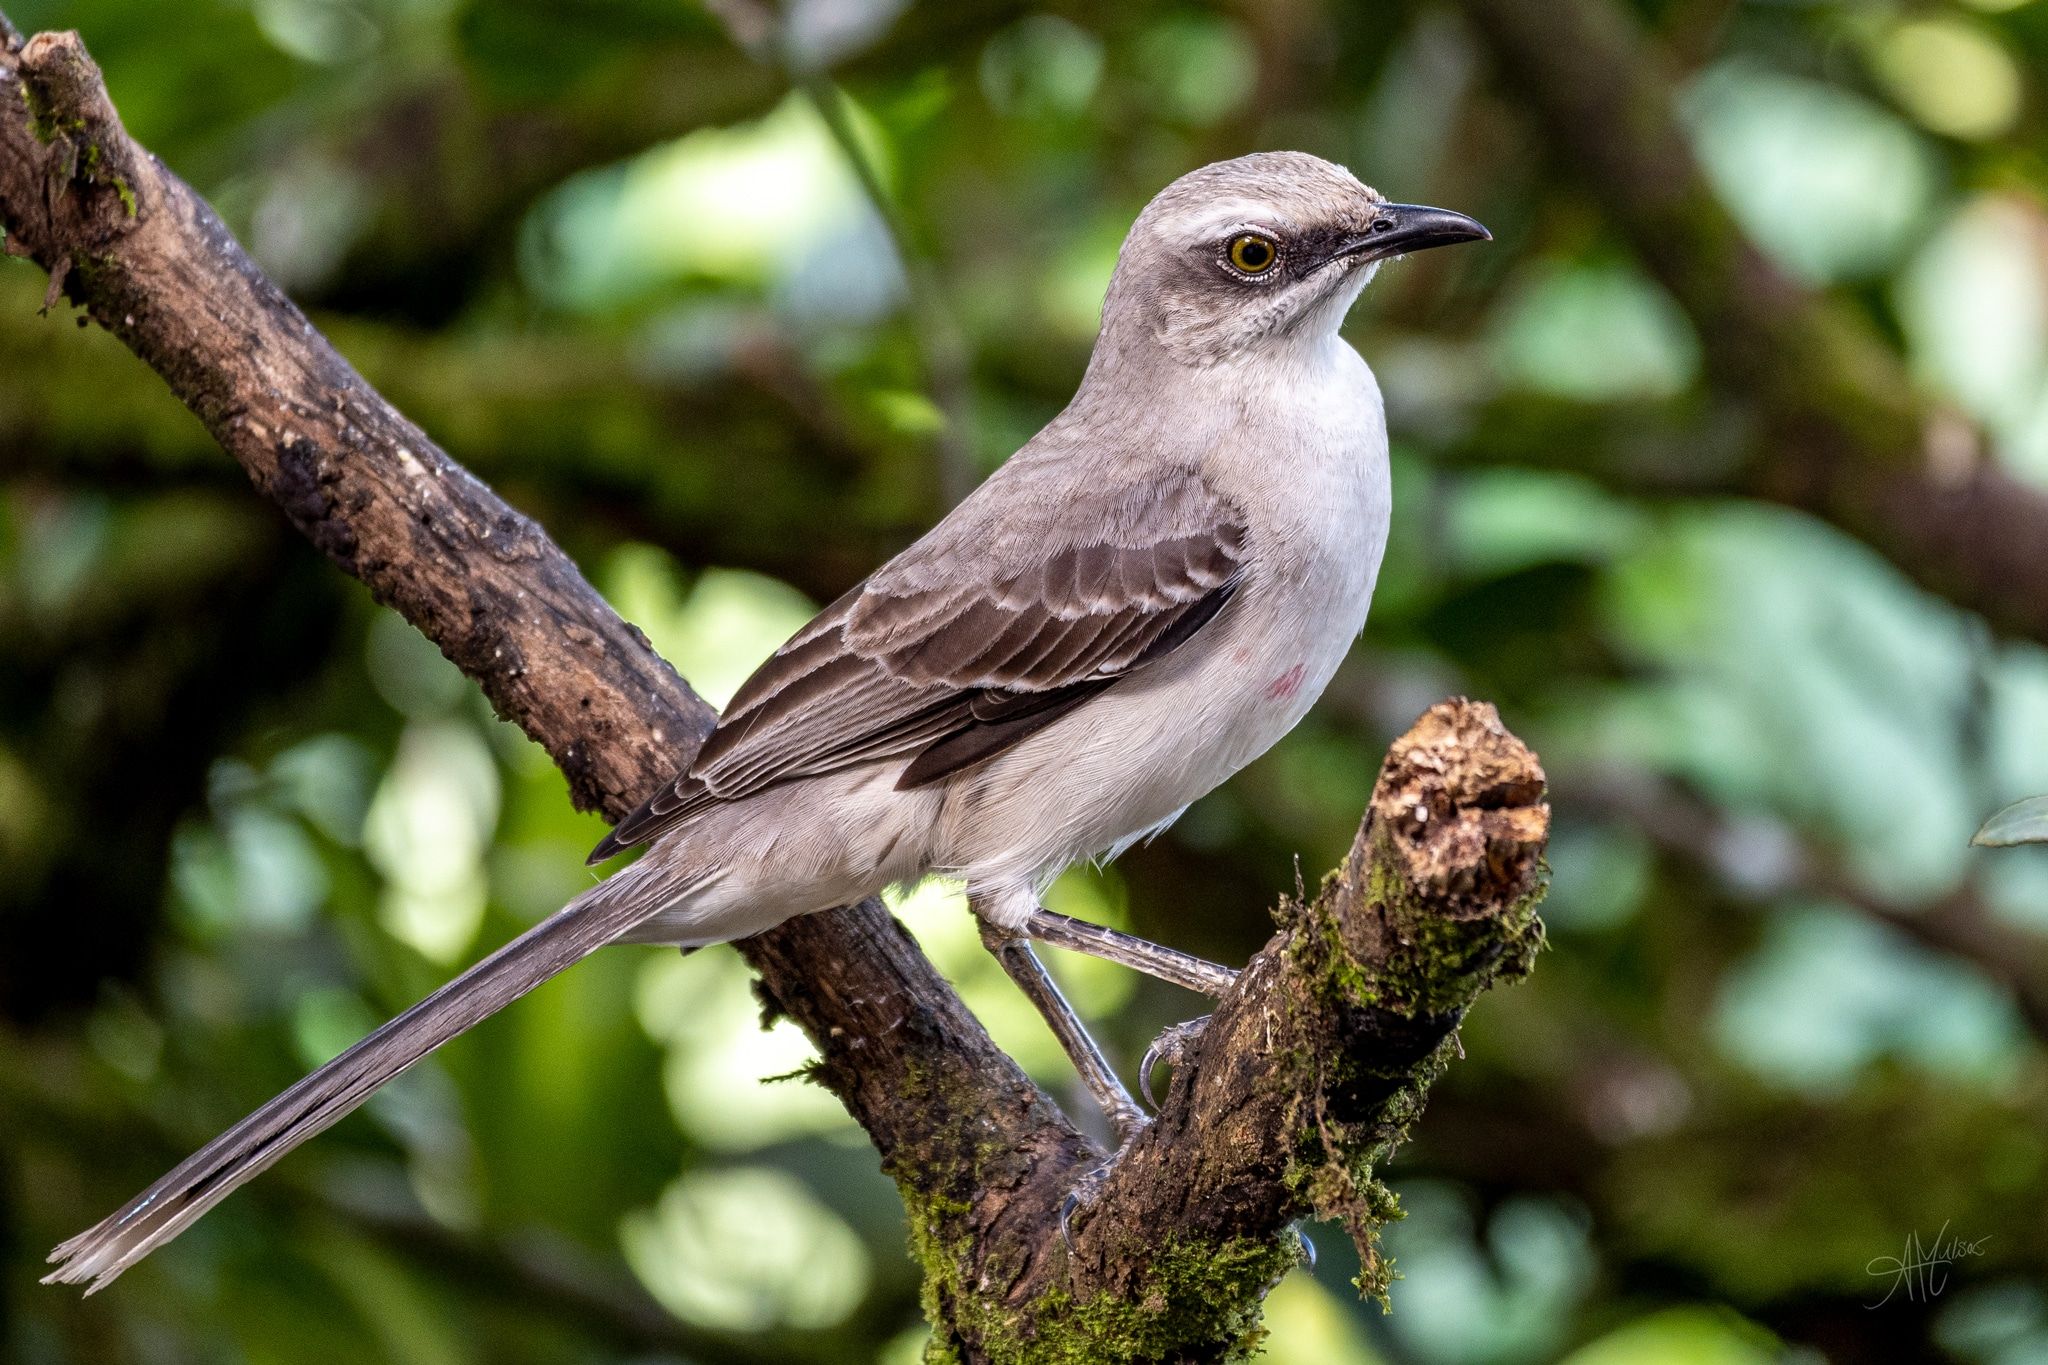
166 1208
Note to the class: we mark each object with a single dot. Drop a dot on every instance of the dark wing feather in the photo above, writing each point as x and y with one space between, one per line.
1000 719
1014 717
967 644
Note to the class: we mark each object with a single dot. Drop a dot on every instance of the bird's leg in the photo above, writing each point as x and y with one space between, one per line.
1153 959
1140 955
1013 950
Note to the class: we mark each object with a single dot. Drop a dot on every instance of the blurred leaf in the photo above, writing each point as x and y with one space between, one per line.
1828 995
1475 1288
731 1084
1974 303
747 1248
1200 69
1953 75
1041 67
1595 333
1683 1336
747 206
1830 183
1306 1322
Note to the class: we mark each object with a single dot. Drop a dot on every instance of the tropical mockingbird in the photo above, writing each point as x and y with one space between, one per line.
1137 604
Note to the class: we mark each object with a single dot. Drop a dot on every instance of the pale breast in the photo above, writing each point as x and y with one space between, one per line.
1312 477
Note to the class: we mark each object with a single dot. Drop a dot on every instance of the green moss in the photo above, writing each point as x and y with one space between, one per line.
937 1190
48 126
811 1071
92 272
97 172
940 1259
1444 965
1190 1295
1192 1298
44 122
1333 1169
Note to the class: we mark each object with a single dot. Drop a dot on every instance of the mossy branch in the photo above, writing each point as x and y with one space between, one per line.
1303 1082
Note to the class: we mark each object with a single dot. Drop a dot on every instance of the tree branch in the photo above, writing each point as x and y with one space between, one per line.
1301 1086
1844 434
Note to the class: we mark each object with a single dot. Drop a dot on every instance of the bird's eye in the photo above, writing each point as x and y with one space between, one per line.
1253 253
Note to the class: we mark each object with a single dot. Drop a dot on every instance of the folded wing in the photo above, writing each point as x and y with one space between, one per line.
970 641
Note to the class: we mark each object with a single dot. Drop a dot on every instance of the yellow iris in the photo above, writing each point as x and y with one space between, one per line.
1253 254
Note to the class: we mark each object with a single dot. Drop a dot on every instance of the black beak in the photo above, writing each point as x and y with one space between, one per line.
1401 228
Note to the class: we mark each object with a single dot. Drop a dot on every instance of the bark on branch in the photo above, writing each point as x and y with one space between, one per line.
1844 435
1303 1083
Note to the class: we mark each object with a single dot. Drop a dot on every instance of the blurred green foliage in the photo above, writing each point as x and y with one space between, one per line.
628 273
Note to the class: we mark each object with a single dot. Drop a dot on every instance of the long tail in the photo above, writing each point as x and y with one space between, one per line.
165 1209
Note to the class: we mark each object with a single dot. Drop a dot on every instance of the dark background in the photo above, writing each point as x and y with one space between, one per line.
626 272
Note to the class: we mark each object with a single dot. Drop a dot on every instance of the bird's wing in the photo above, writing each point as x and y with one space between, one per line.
971 640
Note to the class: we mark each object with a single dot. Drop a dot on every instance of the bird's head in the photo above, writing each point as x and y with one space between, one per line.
1231 256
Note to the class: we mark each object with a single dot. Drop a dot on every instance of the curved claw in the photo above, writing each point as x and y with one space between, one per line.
1151 1060
1170 1046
